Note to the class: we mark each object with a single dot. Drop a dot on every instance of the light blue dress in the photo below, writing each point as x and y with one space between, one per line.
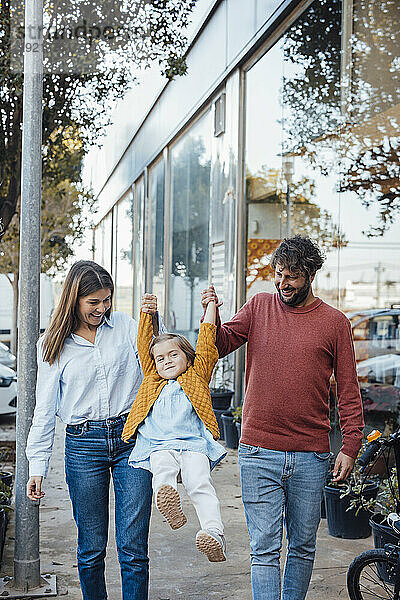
172 424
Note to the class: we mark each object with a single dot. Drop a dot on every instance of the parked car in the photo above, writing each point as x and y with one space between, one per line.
8 390
376 337
383 368
6 357
376 333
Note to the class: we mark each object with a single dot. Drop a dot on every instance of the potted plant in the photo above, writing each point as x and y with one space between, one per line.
348 506
5 501
6 456
237 419
230 431
384 505
221 385
221 392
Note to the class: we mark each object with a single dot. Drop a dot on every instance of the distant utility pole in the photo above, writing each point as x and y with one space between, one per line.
27 581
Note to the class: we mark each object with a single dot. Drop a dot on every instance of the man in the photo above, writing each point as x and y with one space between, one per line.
295 343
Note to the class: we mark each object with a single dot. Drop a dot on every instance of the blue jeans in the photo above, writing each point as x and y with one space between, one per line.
282 488
93 452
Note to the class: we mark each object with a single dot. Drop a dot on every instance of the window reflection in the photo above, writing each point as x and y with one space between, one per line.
190 192
157 232
322 159
123 217
138 246
99 243
107 242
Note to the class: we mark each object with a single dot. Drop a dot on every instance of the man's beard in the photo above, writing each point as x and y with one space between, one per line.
298 297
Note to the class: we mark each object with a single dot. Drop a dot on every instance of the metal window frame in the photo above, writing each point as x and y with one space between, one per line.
167 233
241 206
150 169
346 62
136 199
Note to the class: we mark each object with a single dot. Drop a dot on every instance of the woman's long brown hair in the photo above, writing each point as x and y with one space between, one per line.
85 277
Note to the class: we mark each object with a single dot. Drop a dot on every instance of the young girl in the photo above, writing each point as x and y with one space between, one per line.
175 424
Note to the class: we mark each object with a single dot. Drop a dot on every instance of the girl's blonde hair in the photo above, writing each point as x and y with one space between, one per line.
85 277
181 342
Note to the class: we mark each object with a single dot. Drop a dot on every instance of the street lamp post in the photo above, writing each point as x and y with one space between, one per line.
27 580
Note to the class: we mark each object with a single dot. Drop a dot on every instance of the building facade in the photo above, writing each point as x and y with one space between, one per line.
287 122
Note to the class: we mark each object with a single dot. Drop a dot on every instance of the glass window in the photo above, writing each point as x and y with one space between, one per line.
102 239
190 195
123 276
156 187
138 245
99 243
322 159
107 242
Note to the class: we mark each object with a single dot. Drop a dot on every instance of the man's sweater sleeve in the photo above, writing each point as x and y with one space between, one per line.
234 333
348 392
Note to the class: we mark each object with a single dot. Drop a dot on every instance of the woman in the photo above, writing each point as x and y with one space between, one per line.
88 375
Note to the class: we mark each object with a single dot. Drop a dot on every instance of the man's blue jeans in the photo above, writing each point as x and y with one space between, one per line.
282 488
93 452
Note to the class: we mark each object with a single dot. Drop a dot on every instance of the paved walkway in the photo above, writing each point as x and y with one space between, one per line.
177 569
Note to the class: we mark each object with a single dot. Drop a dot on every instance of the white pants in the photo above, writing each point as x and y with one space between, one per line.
195 472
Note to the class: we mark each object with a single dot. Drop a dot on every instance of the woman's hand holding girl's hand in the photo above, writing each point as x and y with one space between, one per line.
34 488
149 304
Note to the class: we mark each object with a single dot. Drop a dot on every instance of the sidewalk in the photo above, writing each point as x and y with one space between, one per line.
177 569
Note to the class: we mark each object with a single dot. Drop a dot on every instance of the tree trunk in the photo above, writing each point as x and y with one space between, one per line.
14 324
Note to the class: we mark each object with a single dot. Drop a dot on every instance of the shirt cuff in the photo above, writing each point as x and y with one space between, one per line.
351 448
38 468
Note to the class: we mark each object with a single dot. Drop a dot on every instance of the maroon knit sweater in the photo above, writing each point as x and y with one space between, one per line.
291 355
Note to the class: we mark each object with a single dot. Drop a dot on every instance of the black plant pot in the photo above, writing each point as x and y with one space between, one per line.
344 523
3 529
230 432
238 426
221 400
6 477
383 534
218 415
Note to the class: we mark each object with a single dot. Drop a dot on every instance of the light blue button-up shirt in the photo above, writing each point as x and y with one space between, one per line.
172 424
89 382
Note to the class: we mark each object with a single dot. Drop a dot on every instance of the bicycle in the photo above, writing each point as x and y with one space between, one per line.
376 573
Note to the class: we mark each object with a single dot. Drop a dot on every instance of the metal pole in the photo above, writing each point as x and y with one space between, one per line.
26 557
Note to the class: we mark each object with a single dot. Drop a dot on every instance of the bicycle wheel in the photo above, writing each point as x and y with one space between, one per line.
372 575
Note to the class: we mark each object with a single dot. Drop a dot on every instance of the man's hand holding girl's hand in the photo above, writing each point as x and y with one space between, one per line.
149 304
209 295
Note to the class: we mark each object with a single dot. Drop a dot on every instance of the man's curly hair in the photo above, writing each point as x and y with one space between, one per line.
299 255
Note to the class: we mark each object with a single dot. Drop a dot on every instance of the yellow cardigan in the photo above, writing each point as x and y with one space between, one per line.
194 381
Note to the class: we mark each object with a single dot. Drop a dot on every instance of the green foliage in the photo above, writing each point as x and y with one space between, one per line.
65 210
386 502
347 114
191 191
5 496
237 414
82 77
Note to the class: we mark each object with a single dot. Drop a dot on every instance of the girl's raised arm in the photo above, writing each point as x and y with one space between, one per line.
206 350
145 332
211 312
